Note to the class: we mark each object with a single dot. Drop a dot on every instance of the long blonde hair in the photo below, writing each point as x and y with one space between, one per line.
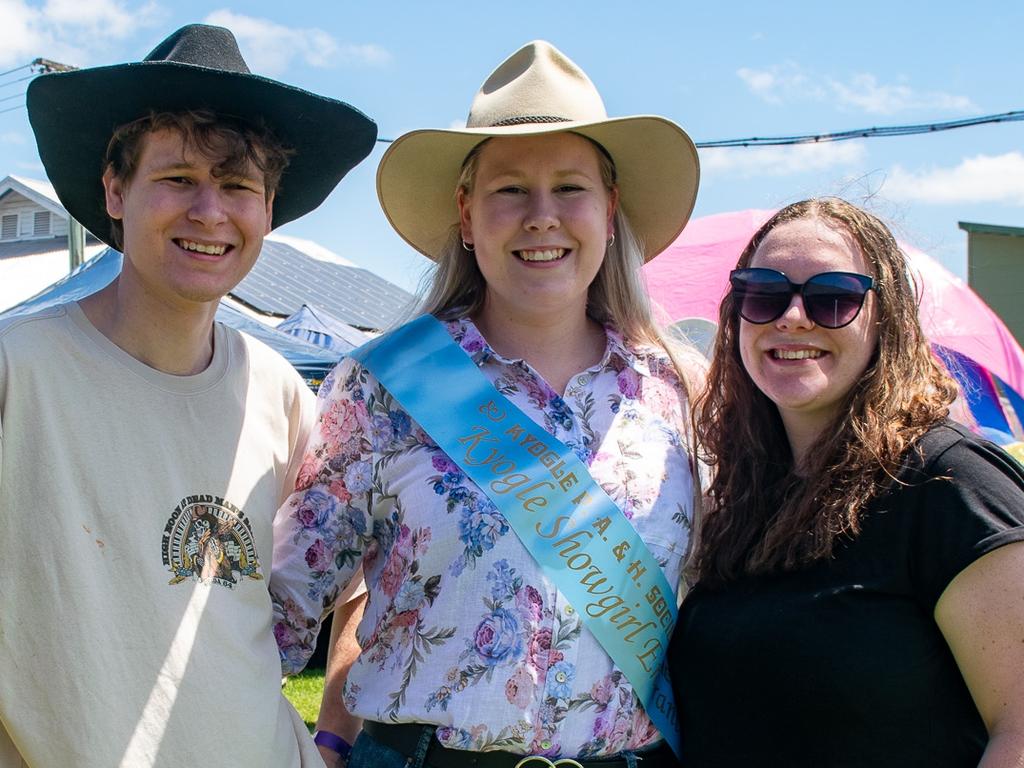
617 296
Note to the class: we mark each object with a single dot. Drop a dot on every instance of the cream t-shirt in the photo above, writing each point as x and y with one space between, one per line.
136 512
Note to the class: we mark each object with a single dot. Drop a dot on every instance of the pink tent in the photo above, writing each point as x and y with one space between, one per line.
690 277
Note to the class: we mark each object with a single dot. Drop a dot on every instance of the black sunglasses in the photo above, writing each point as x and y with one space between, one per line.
831 299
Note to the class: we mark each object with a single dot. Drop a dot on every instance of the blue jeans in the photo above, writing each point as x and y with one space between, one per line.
369 753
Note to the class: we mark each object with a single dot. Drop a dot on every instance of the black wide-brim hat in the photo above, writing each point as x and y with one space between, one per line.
74 114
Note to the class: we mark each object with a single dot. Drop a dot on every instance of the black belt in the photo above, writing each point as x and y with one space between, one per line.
405 739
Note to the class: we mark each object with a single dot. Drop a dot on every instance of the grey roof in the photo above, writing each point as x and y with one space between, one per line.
284 279
991 229
11 249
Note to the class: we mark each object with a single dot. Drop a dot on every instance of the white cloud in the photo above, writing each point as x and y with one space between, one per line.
12 137
779 83
864 91
979 179
100 17
366 55
70 31
269 47
781 161
788 83
20 34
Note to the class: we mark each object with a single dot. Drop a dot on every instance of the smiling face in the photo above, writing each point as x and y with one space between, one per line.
190 233
807 370
538 217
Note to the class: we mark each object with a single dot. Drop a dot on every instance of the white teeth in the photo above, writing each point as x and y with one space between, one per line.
213 250
550 255
796 354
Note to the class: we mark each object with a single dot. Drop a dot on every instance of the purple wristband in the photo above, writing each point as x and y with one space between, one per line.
333 742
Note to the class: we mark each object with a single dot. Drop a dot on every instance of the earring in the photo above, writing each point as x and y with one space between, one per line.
611 241
467 246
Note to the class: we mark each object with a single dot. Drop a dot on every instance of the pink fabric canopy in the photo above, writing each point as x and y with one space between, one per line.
691 276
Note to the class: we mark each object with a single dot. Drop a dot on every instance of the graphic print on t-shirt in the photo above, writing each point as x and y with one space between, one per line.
209 540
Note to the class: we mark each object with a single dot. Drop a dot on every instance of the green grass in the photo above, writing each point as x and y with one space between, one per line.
304 691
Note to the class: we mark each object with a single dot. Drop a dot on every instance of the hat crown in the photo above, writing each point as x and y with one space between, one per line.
536 84
201 45
197 67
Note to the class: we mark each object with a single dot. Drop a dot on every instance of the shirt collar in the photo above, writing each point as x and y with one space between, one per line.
618 353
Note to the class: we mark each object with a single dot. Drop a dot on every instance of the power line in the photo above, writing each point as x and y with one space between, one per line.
16 69
46 66
19 80
41 66
865 133
857 133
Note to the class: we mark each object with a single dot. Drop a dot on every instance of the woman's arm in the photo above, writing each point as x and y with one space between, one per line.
981 615
321 529
344 649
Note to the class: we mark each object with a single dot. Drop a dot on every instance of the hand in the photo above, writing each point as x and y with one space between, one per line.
331 758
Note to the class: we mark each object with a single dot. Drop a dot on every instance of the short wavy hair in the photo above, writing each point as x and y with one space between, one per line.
768 515
236 144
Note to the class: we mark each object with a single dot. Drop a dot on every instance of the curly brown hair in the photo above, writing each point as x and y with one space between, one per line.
768 515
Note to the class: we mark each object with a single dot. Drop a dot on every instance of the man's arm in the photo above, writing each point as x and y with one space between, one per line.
342 653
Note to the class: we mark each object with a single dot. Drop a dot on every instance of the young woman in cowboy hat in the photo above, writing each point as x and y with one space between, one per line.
512 468
860 590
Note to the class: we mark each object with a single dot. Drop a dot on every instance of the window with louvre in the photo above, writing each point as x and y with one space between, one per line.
9 227
41 223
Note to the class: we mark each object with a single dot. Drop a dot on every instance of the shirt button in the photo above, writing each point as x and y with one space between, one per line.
569 610
582 379
546 744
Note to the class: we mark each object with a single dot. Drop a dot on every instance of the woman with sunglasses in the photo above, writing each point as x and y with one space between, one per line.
859 596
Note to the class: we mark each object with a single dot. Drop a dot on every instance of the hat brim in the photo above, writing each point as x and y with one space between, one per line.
656 162
74 115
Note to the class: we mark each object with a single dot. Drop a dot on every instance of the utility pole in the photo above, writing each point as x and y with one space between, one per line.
76 232
46 66
76 243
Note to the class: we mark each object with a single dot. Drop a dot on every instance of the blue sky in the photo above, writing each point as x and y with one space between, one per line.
721 70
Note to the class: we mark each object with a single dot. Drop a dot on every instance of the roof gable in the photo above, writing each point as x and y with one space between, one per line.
39 192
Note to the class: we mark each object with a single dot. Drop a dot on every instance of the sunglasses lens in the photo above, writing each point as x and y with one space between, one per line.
761 295
834 299
831 299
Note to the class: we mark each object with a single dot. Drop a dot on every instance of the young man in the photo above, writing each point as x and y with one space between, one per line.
144 448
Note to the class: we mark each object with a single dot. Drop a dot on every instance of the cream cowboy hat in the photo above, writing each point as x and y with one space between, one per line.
540 90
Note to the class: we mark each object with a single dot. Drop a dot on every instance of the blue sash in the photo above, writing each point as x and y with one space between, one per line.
565 520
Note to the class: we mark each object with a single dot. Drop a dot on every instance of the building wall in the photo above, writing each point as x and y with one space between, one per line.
995 270
31 220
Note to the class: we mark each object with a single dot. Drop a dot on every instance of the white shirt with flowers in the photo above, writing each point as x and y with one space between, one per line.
462 628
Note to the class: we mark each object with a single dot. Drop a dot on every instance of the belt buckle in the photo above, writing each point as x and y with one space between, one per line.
529 760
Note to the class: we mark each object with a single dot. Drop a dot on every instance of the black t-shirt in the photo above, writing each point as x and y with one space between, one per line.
842 664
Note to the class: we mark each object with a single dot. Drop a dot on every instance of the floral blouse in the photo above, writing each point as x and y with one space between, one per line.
462 629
